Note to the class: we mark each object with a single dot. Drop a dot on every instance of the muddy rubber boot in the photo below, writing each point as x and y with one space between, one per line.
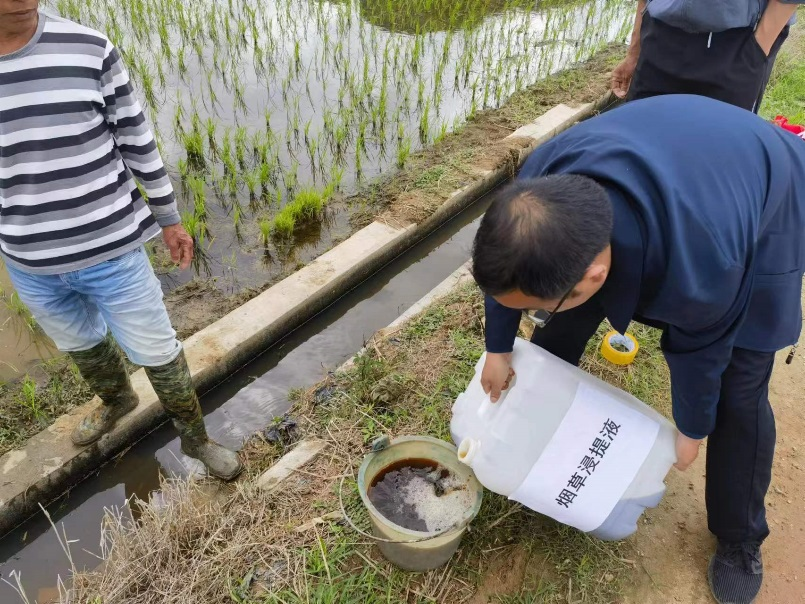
174 387
103 368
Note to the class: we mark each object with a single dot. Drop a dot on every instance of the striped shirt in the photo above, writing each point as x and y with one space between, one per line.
72 139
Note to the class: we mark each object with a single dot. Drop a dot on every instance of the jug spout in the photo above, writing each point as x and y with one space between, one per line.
467 450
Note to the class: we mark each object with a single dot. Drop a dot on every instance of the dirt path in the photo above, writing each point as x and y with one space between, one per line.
674 546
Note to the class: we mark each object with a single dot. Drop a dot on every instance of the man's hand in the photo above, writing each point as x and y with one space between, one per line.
497 374
179 243
687 450
622 75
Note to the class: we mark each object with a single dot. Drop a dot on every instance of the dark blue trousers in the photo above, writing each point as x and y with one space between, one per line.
740 450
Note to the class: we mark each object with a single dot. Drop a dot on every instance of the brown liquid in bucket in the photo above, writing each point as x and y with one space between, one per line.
420 495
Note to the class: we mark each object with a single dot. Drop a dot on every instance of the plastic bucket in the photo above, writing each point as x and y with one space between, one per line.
416 550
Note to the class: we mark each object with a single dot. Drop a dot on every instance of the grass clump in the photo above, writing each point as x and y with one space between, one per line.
283 225
265 231
307 206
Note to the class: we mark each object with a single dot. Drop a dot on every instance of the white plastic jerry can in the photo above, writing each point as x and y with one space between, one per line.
565 444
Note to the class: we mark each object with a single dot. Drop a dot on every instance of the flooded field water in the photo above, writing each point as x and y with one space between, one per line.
268 113
22 344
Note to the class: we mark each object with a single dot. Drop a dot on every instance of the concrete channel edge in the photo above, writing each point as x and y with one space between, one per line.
305 451
49 464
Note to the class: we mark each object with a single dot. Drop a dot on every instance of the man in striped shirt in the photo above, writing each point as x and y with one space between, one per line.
73 222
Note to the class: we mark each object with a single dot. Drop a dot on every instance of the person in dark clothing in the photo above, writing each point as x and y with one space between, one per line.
723 50
688 215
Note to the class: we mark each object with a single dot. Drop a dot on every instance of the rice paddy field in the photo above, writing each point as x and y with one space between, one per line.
270 115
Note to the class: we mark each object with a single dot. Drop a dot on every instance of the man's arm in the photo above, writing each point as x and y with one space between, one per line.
622 74
776 16
134 139
565 336
501 328
502 324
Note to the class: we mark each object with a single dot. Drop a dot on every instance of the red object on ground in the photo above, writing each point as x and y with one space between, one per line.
793 128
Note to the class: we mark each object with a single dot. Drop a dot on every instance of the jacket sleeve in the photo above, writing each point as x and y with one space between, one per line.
134 139
698 355
502 324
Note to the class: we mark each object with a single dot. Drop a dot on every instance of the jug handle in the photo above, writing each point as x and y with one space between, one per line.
488 409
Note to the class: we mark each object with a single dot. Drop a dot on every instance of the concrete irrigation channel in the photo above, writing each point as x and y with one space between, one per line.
246 363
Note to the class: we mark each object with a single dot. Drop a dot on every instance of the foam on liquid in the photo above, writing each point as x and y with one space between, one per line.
422 499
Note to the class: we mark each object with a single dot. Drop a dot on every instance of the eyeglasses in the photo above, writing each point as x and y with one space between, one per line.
541 318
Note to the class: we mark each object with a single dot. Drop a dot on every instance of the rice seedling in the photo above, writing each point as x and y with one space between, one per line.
194 149
291 177
442 133
194 227
211 140
403 151
30 399
196 186
283 225
181 165
266 227
252 180
241 134
424 123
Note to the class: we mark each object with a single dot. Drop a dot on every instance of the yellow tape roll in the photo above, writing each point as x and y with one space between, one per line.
619 357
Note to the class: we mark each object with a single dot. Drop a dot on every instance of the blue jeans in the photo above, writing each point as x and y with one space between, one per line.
123 295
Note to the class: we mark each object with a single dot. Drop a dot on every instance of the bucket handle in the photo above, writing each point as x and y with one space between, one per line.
461 524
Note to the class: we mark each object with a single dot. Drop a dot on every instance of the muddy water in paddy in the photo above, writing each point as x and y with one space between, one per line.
253 102
21 348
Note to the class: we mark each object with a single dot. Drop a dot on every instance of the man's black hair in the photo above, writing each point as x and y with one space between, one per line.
540 235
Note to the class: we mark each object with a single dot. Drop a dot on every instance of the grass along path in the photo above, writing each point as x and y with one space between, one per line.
215 543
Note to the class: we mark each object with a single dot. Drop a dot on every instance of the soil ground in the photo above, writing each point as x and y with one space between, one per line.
674 546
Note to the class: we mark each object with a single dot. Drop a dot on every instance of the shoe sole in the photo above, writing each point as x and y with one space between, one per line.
710 583
84 443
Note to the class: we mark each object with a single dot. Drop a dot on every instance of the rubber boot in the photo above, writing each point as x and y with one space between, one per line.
174 387
103 368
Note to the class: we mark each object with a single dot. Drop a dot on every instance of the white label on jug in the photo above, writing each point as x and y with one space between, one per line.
590 461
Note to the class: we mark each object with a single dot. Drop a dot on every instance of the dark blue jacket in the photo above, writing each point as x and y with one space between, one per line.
708 242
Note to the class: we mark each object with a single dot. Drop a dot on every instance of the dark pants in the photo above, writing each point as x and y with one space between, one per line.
740 450
729 66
